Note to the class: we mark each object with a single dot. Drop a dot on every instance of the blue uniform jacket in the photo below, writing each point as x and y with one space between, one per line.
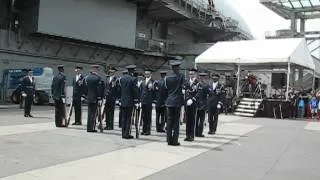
174 84
94 88
128 90
148 94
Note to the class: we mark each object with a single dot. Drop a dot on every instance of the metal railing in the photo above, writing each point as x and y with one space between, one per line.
151 45
210 14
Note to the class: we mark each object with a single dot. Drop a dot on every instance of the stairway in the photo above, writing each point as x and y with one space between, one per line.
248 107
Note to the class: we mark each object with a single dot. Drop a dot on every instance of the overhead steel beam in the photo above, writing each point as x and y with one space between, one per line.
313 16
314 49
312 38
286 12
307 9
311 41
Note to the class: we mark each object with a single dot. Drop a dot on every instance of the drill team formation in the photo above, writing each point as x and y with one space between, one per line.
136 95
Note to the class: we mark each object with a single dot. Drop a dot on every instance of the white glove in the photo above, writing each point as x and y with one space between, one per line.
150 86
219 106
189 102
140 105
82 98
137 105
100 102
117 102
24 94
63 100
183 91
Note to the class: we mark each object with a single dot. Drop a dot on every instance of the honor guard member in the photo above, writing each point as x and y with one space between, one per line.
161 116
28 87
146 100
191 88
58 95
202 96
129 92
94 91
119 96
174 83
111 97
78 91
215 99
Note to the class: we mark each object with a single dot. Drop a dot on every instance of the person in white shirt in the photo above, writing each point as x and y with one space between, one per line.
215 102
147 98
111 95
190 104
78 92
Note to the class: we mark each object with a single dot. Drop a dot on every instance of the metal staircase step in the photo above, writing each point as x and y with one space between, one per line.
248 107
252 99
244 114
249 103
246 110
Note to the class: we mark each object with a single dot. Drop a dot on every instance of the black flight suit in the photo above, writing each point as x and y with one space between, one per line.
78 90
146 99
58 93
129 94
216 96
190 111
94 90
28 87
174 84
202 97
110 96
161 115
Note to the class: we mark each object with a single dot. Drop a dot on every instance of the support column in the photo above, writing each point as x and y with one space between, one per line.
238 80
313 80
288 79
163 30
293 76
300 73
302 25
293 23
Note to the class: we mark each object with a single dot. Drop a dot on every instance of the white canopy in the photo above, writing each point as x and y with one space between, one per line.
317 66
259 52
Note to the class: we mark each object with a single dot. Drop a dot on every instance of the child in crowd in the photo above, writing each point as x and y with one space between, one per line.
308 105
301 107
314 106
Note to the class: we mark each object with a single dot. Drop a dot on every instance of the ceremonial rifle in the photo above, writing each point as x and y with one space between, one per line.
137 121
99 109
69 114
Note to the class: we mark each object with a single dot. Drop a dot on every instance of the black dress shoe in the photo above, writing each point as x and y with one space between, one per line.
211 132
30 115
175 144
26 115
162 131
202 135
186 139
73 124
93 131
108 128
128 137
